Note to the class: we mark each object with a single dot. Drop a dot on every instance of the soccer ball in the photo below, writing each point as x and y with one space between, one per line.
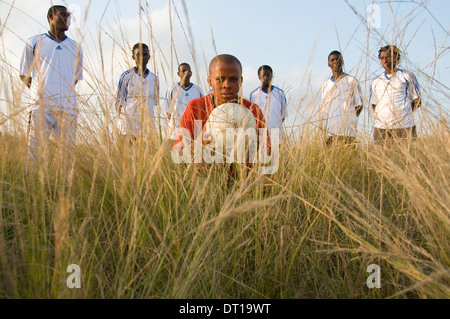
232 129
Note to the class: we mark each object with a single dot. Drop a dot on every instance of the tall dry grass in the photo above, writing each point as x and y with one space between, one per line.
141 226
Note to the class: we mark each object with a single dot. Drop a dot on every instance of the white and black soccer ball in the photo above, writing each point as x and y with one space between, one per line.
235 127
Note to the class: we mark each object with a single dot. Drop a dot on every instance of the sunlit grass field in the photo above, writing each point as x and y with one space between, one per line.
140 226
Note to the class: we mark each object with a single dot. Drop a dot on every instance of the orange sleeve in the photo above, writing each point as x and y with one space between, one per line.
186 122
261 122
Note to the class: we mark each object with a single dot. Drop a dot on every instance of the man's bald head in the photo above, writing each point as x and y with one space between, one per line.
224 58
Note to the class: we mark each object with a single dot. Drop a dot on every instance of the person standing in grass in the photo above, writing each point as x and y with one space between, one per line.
394 97
137 97
342 103
271 100
51 66
225 79
178 96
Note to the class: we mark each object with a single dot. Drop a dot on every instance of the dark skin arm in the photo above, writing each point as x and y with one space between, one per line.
26 80
358 109
416 104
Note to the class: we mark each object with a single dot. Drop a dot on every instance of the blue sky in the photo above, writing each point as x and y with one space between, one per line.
294 37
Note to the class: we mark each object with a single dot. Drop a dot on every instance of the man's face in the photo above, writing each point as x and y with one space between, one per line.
225 79
185 73
335 62
388 61
60 19
141 56
265 76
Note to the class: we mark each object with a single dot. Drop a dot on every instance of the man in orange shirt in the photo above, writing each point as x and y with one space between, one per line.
225 78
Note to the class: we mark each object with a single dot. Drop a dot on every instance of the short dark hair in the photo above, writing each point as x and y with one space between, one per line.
265 67
53 9
335 52
139 45
181 64
391 48
227 58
